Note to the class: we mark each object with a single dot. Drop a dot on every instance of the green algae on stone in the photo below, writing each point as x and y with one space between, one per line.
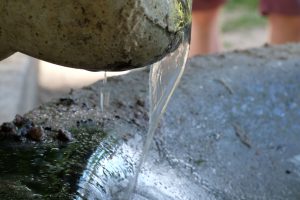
49 171
182 16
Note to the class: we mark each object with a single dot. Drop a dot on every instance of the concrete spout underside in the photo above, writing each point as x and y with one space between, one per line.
231 130
93 35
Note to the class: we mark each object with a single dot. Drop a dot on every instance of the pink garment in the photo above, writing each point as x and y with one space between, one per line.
207 4
284 7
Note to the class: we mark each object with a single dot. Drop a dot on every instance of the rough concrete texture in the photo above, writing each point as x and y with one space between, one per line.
231 132
237 116
94 35
18 86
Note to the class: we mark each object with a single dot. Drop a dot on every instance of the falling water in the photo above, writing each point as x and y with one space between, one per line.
104 93
163 79
106 176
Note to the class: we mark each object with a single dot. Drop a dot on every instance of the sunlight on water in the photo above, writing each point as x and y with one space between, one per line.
163 79
110 178
113 169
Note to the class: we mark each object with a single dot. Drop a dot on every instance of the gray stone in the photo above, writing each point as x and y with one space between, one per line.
231 132
235 119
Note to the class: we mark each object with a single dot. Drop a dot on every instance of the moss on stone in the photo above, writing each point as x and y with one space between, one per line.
49 171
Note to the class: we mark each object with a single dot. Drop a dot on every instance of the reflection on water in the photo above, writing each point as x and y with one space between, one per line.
112 170
115 176
110 166
164 78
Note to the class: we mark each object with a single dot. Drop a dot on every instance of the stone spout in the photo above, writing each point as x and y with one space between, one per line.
93 35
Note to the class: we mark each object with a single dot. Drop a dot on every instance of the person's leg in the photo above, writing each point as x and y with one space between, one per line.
284 20
284 29
205 30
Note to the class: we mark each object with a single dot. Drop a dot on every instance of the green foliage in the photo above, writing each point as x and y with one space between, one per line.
245 15
245 20
49 170
248 4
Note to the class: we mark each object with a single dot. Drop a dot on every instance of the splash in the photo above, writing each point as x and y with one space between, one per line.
163 80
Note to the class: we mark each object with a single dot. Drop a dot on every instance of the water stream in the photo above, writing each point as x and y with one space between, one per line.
164 76
163 79
104 93
113 170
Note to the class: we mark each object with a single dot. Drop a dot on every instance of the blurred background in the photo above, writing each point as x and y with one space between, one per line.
242 26
26 82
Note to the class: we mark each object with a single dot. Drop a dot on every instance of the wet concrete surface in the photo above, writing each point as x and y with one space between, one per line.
236 120
231 130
